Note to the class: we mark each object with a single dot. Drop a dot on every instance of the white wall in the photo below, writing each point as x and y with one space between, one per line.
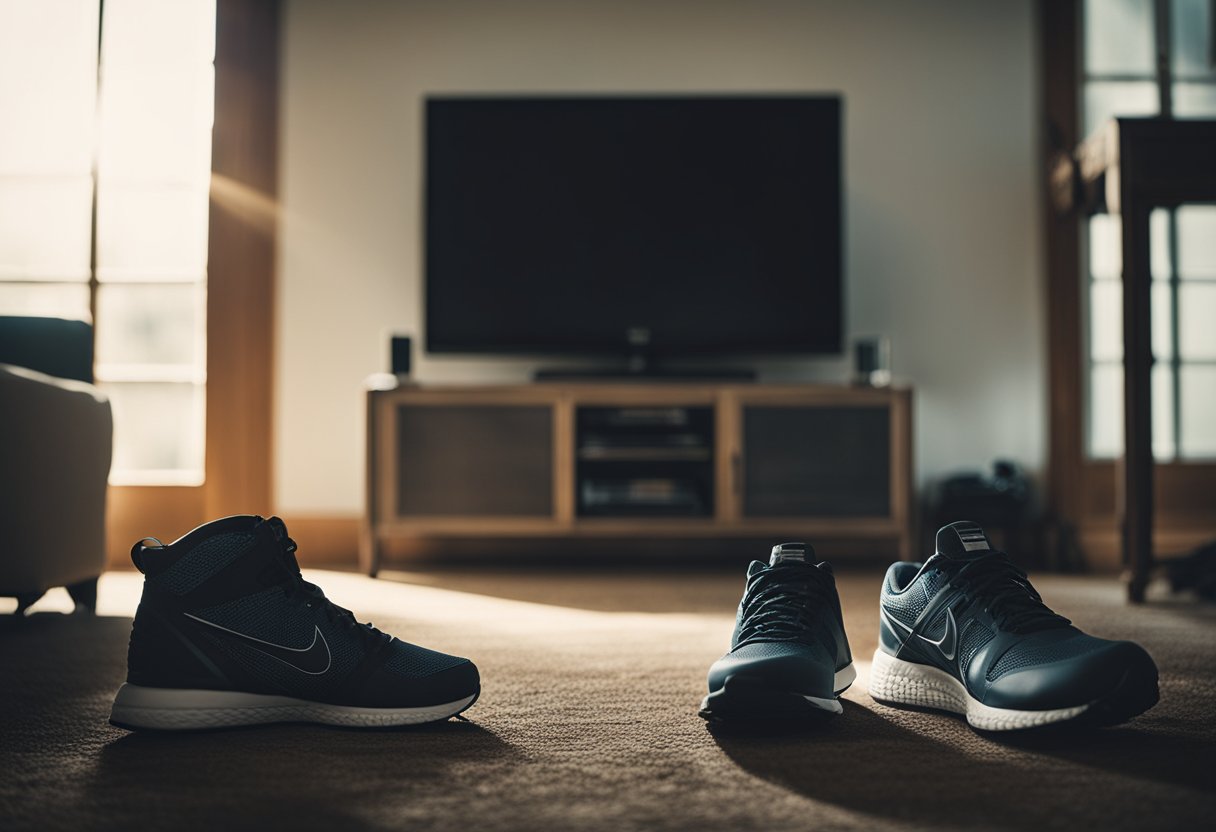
942 224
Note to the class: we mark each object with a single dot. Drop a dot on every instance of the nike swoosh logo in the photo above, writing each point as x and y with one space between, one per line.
947 644
314 659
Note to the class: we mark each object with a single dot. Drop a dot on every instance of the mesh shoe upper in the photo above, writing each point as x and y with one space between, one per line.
226 608
971 612
1039 650
202 561
788 628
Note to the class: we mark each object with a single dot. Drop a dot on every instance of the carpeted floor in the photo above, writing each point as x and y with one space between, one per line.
588 722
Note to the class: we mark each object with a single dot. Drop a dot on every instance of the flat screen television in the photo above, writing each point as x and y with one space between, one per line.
677 226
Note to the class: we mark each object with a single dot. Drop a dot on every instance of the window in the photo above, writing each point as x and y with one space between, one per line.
104 177
48 86
1153 57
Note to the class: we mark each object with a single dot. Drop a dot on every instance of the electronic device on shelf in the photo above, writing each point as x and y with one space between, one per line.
400 355
650 230
644 461
640 497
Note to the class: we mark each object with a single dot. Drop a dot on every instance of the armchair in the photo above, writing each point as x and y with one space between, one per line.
56 441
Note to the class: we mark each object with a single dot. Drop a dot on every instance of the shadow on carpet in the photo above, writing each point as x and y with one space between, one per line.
864 761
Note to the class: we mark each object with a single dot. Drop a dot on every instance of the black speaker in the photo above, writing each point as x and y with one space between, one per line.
399 355
872 361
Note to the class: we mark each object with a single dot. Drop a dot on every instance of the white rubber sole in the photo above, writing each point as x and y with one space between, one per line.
845 677
169 709
907 683
840 684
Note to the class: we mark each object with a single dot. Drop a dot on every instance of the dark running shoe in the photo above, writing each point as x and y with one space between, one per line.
228 633
966 632
788 656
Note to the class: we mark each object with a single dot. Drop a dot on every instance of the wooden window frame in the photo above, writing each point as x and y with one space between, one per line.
1083 495
240 300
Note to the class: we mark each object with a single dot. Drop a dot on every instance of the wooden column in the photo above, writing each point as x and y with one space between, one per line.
1130 167
1059 36
241 258
1136 509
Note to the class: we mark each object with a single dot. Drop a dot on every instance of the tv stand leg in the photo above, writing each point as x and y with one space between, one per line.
369 551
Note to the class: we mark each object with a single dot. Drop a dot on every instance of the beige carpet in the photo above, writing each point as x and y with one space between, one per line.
588 722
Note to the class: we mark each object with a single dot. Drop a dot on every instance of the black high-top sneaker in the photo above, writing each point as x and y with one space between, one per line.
789 657
966 632
229 633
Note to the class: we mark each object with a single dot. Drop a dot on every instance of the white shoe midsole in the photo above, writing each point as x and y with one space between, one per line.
909 683
177 709
844 678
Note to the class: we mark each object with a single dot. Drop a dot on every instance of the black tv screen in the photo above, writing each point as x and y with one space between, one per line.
685 226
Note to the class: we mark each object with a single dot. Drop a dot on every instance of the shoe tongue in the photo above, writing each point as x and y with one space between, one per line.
962 540
279 529
283 543
786 553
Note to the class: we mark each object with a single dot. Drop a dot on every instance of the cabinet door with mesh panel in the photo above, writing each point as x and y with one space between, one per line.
816 461
474 460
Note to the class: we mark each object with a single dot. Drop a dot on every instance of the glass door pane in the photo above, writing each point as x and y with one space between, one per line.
1119 37
48 87
154 170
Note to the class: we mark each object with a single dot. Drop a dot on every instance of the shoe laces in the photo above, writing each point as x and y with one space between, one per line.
781 603
312 596
1005 591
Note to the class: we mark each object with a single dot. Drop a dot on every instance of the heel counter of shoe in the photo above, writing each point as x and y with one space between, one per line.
160 655
844 653
143 647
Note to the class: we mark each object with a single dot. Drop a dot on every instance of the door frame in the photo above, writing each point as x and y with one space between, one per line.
241 253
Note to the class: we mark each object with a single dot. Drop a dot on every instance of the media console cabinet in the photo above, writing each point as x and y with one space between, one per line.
641 460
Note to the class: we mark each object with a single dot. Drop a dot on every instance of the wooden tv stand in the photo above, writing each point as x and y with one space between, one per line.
641 460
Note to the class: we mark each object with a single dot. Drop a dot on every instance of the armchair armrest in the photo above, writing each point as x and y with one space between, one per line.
56 442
